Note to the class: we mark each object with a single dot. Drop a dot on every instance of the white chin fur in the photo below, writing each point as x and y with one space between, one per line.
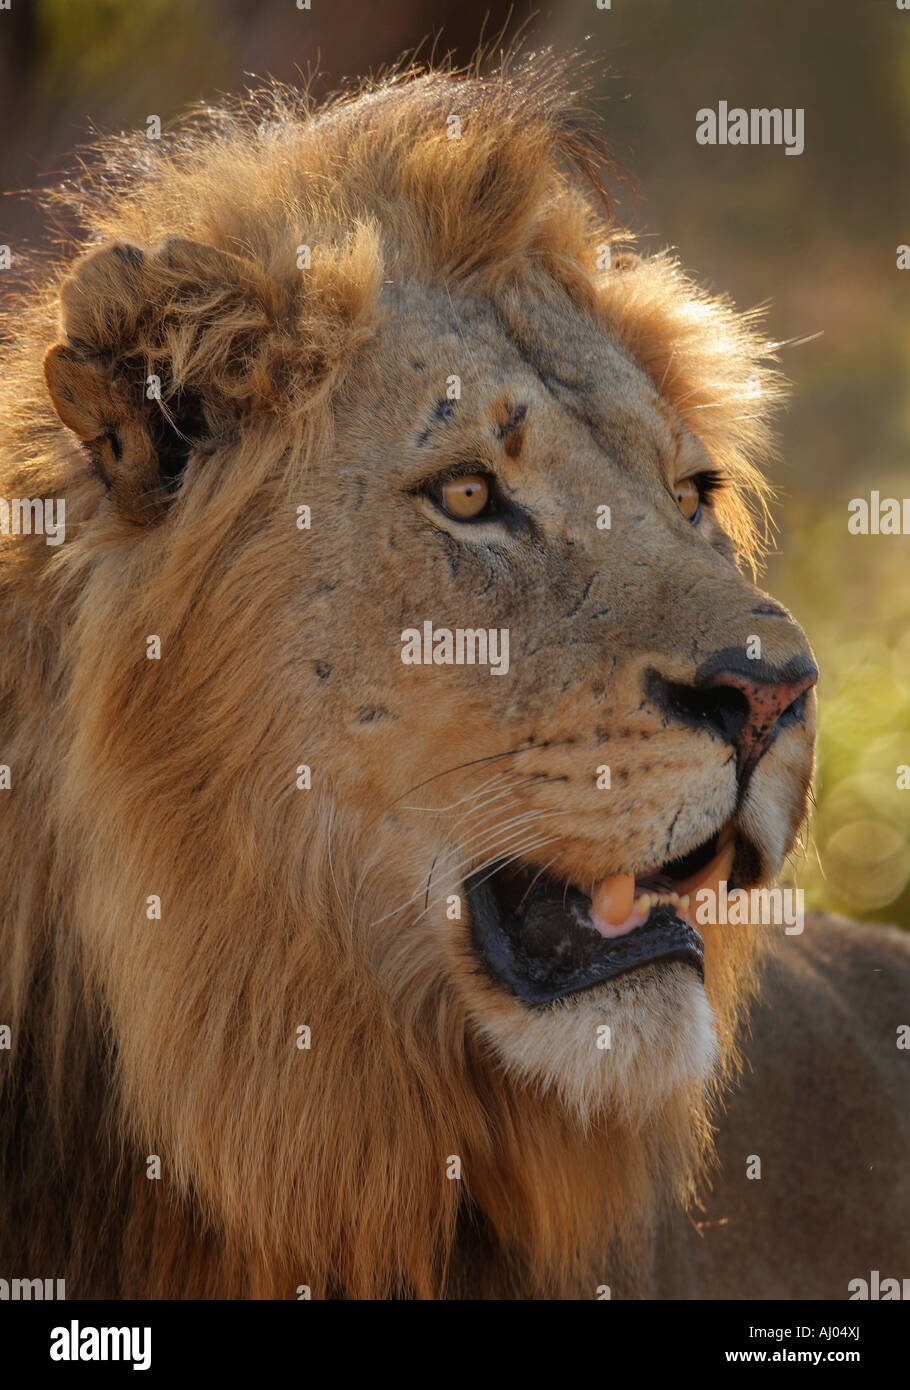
661 1037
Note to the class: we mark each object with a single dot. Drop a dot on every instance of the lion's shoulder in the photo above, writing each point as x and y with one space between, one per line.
812 1187
838 973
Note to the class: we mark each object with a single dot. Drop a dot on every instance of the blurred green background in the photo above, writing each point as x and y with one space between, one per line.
814 236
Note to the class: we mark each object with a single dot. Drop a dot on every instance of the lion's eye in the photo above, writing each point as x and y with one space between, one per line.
466 497
688 499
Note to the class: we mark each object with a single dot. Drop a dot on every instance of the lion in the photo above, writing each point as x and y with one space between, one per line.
399 687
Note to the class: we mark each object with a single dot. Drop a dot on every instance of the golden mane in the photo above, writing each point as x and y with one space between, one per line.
373 184
261 1165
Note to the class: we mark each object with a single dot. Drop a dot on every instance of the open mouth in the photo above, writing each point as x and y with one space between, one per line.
543 938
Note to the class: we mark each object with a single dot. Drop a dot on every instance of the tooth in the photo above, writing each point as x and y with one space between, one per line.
712 875
613 897
684 902
720 869
727 834
643 904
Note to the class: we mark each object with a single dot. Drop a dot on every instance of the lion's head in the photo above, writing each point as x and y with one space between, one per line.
402 648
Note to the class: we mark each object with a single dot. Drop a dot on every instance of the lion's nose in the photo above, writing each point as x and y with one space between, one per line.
746 702
752 710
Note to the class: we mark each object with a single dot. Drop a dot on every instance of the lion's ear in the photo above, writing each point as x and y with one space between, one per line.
130 320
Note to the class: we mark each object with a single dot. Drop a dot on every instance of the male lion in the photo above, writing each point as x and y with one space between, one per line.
332 961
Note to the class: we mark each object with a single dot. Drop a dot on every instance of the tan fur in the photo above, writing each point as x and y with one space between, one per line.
824 1106
326 908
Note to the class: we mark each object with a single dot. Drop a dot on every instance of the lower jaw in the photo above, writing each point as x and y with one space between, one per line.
556 941
543 976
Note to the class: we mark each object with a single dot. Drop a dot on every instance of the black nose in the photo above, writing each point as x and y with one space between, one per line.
747 703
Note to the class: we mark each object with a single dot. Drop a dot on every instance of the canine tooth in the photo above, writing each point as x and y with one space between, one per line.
713 874
612 898
643 904
720 869
727 834
684 902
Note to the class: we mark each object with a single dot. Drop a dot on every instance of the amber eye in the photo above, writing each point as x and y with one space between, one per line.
688 498
464 498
